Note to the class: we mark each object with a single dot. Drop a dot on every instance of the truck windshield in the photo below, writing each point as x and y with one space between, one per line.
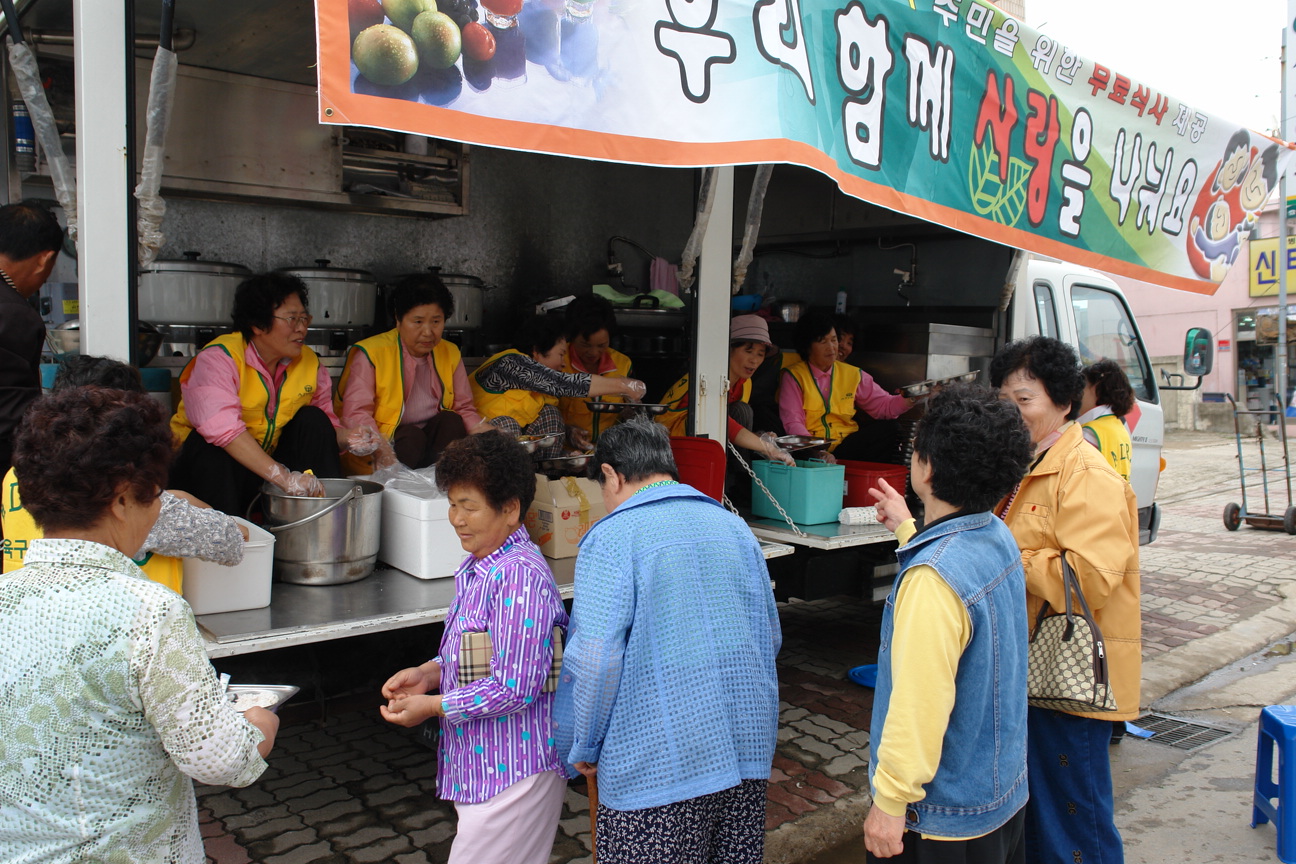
1104 328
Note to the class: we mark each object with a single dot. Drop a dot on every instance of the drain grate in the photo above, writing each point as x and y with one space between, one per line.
1183 734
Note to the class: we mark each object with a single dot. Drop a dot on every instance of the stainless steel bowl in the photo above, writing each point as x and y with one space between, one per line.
532 443
564 465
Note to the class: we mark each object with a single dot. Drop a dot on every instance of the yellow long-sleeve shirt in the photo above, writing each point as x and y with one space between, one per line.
931 630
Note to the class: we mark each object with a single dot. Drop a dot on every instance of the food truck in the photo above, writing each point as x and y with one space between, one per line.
951 176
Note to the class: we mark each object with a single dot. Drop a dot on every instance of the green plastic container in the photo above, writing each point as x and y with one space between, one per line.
811 493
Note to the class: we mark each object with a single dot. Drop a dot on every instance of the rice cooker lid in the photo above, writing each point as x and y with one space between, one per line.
191 265
450 279
324 273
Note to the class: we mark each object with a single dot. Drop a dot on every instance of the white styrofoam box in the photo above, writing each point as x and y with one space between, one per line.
417 536
212 588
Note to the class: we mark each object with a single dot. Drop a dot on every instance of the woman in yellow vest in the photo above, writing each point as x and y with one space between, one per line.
261 403
749 345
819 396
185 527
1107 398
590 323
409 383
518 390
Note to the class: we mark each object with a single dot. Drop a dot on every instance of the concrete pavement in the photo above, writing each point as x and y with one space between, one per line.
349 788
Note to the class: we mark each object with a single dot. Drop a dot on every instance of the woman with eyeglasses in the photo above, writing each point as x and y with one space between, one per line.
262 405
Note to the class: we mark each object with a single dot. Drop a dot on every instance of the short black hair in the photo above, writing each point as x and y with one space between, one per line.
588 314
810 328
1053 363
539 333
85 370
844 324
636 449
1111 386
27 229
494 464
419 289
257 297
976 444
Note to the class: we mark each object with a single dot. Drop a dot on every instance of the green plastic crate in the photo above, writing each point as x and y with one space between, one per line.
811 492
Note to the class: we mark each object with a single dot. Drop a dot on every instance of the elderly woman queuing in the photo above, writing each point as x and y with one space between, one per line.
590 323
104 738
517 390
409 383
498 763
185 527
1071 503
669 692
1108 398
820 394
261 404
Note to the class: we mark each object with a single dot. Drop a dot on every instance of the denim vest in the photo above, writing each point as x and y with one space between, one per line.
981 780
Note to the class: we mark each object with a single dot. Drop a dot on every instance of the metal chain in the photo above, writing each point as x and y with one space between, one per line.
768 494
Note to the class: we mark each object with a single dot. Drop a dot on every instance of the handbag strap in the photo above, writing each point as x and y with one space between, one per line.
1069 583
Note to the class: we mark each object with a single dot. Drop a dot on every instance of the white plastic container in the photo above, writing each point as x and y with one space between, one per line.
212 588
417 536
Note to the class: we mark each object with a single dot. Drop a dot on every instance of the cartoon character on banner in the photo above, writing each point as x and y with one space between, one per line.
1229 205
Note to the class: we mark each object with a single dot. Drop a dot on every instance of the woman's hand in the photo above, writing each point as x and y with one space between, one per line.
589 769
363 440
883 833
772 450
268 723
891 508
578 439
414 681
633 389
384 456
295 482
410 711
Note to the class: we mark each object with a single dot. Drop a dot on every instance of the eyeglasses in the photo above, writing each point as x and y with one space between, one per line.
295 320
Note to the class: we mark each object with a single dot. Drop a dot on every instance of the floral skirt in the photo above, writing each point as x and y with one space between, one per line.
725 827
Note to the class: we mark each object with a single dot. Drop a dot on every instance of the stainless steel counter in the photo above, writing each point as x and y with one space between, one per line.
828 535
387 600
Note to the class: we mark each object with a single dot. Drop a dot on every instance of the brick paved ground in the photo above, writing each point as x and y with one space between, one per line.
350 788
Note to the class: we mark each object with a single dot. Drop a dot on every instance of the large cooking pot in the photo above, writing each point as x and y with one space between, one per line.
189 291
338 297
325 541
645 311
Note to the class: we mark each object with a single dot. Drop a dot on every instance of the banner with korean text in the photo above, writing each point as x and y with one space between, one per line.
948 110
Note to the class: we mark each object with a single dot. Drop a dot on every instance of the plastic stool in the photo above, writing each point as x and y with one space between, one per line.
1277 726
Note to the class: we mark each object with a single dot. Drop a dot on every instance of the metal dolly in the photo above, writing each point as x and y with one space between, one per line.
1234 515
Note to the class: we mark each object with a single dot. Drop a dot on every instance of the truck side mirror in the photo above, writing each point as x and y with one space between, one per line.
1199 352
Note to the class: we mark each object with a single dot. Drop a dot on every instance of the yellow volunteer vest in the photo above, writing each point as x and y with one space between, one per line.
675 417
384 352
1113 442
265 421
522 405
574 410
20 529
831 417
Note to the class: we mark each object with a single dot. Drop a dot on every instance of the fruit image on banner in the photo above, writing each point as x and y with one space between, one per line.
950 111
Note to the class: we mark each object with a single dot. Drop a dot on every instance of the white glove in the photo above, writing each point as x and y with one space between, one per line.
773 452
295 482
363 440
633 389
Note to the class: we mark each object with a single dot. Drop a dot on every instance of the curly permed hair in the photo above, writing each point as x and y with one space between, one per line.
977 446
1111 386
257 297
493 464
76 449
1050 361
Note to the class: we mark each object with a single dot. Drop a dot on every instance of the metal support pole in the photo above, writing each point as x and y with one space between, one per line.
1280 351
711 346
103 174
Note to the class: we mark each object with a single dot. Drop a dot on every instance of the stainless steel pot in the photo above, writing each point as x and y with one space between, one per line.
65 340
645 311
189 291
338 297
325 541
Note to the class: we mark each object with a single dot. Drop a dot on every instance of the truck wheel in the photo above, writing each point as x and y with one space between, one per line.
1289 520
1233 516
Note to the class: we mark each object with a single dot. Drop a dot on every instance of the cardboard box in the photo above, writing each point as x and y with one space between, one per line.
563 510
417 536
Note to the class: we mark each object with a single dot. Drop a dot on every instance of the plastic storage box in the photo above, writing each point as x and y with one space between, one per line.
811 492
417 536
701 464
862 476
212 588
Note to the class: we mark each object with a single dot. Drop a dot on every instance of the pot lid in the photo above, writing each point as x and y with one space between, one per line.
324 272
191 264
448 278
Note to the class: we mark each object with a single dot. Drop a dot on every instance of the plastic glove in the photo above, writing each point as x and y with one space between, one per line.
295 482
363 440
579 439
773 451
633 389
384 456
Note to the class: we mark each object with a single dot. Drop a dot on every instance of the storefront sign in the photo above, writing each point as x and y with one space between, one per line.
947 110
1223 345
1263 255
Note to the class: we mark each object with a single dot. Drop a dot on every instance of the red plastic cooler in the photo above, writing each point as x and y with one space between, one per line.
701 464
862 476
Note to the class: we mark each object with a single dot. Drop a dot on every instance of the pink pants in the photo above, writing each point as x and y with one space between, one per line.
516 826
